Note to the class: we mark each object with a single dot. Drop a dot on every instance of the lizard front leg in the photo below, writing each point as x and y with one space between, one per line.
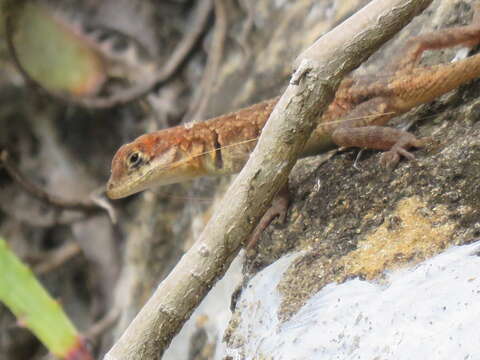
278 209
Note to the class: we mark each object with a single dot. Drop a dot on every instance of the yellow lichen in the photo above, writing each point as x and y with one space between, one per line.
417 234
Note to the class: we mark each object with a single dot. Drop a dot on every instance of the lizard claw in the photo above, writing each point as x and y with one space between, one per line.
281 209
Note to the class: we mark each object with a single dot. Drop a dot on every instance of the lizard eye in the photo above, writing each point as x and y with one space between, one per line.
134 159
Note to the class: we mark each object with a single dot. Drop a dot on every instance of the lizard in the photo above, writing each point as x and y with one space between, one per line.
356 118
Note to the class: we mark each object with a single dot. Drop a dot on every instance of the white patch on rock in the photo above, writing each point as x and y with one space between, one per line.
461 54
216 308
428 311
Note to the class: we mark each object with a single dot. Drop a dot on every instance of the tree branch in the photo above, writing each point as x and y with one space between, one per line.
321 68
39 193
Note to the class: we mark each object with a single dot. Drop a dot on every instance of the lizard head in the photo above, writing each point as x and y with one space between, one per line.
150 160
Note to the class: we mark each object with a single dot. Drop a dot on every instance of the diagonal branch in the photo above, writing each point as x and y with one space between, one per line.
322 67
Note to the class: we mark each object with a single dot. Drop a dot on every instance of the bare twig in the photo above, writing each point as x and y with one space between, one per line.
41 194
133 93
321 69
99 198
198 106
103 324
58 257
249 8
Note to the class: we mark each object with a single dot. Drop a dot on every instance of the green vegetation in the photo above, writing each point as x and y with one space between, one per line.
35 309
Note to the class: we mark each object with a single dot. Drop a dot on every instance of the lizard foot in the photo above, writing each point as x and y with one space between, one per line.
391 157
278 209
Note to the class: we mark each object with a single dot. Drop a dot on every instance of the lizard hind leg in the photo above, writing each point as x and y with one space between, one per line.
468 35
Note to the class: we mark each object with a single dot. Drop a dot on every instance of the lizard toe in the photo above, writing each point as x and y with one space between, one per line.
406 154
390 159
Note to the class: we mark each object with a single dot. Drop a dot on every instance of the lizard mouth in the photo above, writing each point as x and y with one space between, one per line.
120 186
145 180
121 189
114 191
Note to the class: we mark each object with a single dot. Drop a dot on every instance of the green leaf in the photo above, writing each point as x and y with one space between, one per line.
56 54
35 309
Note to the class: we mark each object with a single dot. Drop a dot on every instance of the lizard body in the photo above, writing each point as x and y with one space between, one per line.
356 117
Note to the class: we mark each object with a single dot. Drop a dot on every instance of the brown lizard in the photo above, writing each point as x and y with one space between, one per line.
355 118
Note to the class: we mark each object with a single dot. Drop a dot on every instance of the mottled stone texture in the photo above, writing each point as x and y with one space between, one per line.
359 221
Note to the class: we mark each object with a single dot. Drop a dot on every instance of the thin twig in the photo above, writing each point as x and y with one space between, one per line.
162 74
103 324
57 257
41 194
99 198
322 66
249 7
198 106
